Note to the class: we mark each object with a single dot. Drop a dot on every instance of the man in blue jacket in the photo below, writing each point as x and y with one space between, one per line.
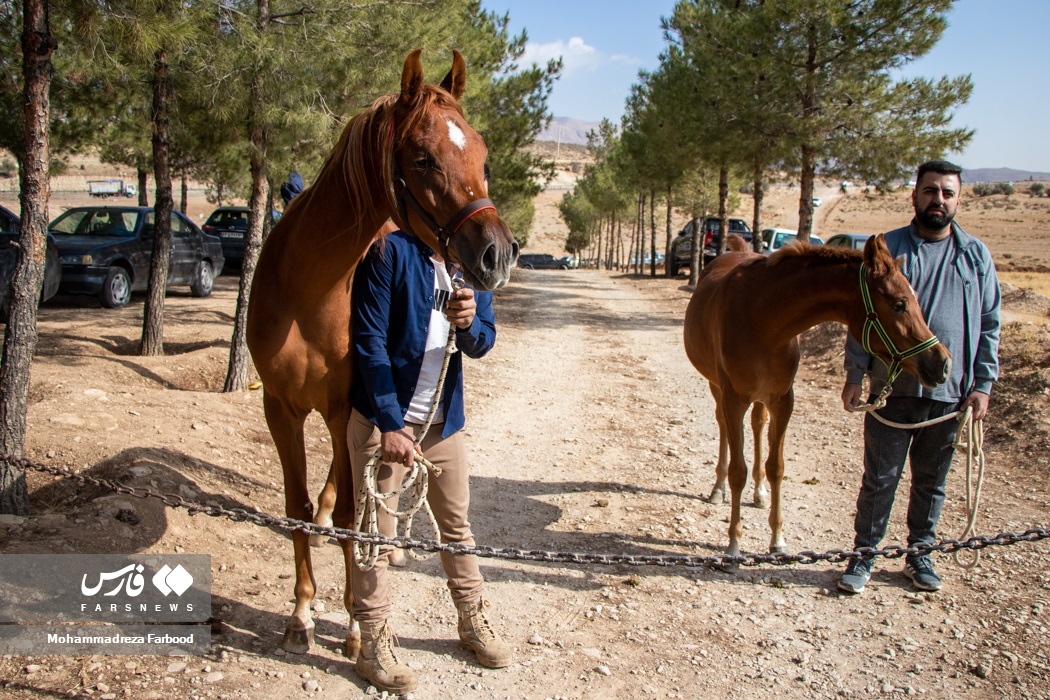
403 306
958 291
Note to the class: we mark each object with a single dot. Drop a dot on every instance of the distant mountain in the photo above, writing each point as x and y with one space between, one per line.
573 131
1001 175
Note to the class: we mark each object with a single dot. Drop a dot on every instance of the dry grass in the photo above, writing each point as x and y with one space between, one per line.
1036 281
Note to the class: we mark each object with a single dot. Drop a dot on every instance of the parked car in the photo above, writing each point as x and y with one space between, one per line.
682 245
776 238
230 224
106 251
10 228
855 241
817 201
545 261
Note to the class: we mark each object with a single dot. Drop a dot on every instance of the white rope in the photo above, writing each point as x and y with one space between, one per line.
969 438
370 499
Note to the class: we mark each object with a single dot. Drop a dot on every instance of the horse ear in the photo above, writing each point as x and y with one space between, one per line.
877 255
456 80
412 78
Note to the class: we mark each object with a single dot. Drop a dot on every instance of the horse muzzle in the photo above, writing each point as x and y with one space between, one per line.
486 254
934 366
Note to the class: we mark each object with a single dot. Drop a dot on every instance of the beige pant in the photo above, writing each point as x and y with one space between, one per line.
449 498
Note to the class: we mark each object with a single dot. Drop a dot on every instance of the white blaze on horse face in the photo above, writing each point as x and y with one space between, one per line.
456 135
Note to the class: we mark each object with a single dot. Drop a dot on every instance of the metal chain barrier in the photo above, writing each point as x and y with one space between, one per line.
834 556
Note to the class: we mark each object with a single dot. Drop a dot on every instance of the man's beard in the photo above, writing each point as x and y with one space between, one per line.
934 220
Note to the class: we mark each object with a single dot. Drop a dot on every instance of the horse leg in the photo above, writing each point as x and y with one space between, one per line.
732 409
326 501
758 470
780 412
286 428
344 499
718 492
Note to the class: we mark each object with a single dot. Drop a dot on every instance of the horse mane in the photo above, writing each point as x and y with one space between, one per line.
798 249
363 157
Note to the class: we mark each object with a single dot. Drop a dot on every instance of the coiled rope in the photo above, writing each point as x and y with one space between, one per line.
416 483
969 439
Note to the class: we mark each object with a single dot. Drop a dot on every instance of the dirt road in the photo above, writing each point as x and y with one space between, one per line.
588 431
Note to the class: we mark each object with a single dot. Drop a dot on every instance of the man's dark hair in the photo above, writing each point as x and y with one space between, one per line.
942 167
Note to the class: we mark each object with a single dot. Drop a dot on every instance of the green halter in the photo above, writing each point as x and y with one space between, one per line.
872 321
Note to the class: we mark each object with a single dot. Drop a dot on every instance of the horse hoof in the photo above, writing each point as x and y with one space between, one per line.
397 558
717 496
353 641
761 501
728 568
298 639
318 540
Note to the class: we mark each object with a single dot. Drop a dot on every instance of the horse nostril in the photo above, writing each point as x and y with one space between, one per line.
946 371
488 258
514 252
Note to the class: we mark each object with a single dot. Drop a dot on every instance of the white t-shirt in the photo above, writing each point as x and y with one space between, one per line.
434 354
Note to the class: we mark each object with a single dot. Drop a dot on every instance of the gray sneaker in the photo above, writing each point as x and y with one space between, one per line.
856 575
920 571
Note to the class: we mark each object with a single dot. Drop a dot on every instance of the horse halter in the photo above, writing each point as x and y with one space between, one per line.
444 233
871 321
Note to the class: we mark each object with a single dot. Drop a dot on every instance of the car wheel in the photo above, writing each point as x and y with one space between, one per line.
203 279
116 291
526 267
672 268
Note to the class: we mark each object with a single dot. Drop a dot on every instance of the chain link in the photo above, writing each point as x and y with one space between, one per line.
833 556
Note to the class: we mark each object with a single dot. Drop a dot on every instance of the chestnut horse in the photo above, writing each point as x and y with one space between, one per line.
741 333
411 157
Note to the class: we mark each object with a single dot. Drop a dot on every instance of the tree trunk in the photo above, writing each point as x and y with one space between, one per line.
143 184
667 246
601 227
805 200
153 315
620 241
641 239
696 253
185 193
723 209
632 262
21 336
652 230
756 220
238 374
810 111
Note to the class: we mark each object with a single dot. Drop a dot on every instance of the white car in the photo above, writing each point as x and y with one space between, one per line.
775 238
817 201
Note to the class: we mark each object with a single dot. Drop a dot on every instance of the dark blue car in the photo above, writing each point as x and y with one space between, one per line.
10 227
230 224
106 251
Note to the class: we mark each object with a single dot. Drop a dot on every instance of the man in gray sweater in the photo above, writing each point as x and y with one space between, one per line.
954 279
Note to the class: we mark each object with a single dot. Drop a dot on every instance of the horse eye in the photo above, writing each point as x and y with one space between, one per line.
900 306
488 173
426 161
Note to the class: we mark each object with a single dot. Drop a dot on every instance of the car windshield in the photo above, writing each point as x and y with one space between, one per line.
228 217
96 222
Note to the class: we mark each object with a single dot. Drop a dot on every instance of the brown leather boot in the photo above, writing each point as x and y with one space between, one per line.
476 633
377 662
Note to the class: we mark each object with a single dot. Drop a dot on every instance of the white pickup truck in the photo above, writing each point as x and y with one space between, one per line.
111 188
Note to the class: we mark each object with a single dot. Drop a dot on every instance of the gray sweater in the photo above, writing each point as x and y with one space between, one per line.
960 301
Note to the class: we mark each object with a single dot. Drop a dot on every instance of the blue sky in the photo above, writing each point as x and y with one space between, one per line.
1003 45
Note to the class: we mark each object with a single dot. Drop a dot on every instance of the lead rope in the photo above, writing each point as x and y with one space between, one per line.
969 438
370 499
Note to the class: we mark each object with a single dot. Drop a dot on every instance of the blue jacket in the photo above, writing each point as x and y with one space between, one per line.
393 293
974 330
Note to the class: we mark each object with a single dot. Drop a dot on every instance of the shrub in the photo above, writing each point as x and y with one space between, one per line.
1036 189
